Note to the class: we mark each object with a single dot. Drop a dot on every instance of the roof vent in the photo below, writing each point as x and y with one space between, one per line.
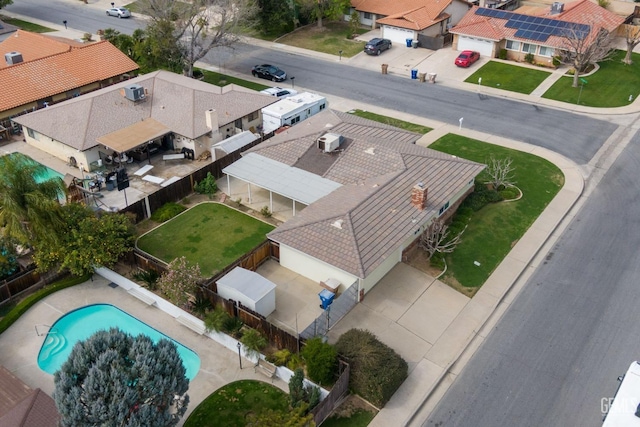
370 150
557 8
330 142
135 93
337 224
13 58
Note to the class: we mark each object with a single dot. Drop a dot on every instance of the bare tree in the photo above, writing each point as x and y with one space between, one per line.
632 37
501 172
581 47
436 239
201 25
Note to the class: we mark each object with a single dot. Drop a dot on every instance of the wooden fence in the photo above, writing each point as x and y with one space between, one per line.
26 282
333 399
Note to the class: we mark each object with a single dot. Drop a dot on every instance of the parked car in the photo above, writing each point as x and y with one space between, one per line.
120 12
376 46
466 58
269 72
279 92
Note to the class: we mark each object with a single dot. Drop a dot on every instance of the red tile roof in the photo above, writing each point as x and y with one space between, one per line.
579 12
61 72
419 18
34 46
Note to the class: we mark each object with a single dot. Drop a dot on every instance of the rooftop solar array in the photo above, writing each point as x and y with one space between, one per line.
534 27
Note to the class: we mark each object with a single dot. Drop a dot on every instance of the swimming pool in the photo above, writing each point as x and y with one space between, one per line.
83 322
47 173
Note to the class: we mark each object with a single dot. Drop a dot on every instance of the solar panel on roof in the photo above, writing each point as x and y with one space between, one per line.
535 27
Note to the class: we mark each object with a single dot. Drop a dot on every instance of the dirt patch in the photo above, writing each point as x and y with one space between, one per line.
353 403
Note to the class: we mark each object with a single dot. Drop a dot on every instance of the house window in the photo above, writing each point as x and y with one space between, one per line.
513 45
443 209
322 106
31 133
251 117
238 123
295 120
367 15
545 51
529 48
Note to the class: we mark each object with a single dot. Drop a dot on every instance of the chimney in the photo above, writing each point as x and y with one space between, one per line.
419 195
211 118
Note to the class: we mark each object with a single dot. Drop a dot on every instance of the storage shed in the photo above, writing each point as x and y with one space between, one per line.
250 289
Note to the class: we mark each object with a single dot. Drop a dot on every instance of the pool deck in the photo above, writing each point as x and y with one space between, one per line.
19 345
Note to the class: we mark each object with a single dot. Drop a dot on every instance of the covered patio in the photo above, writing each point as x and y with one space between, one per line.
135 142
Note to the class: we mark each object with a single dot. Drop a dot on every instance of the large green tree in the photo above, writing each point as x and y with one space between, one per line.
115 379
86 240
330 9
4 3
29 206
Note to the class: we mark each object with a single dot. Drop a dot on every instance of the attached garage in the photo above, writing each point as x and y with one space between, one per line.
485 47
397 35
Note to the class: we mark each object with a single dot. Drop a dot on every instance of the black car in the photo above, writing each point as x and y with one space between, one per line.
269 72
376 46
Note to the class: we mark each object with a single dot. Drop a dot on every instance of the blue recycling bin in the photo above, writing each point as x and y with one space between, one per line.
414 74
326 298
409 41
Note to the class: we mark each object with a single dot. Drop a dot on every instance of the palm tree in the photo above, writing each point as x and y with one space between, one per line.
29 209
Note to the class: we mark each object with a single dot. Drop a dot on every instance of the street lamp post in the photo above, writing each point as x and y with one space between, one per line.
340 53
239 356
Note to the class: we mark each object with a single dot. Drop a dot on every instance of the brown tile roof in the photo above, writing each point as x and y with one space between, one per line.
176 101
30 81
419 18
579 12
373 206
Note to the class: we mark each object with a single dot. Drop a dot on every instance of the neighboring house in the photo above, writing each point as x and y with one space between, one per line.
159 110
38 70
423 20
539 31
369 193
20 406
6 30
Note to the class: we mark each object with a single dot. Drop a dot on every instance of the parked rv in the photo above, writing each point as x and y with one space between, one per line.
292 110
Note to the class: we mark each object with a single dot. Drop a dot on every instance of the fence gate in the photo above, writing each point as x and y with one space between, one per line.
336 311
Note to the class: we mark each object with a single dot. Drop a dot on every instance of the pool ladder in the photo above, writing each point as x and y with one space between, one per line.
50 330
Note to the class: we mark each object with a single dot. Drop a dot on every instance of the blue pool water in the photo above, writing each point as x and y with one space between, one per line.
80 324
46 174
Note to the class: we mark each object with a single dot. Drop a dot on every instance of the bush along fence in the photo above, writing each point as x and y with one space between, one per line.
339 389
26 282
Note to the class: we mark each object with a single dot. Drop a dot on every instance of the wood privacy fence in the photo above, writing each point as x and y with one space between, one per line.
25 282
183 187
339 389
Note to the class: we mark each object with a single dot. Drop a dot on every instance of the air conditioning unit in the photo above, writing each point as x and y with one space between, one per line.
134 92
13 58
330 142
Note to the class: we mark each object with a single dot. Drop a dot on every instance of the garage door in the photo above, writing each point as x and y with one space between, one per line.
396 35
485 47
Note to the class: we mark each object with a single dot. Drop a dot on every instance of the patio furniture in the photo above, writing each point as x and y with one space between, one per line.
170 181
154 179
143 170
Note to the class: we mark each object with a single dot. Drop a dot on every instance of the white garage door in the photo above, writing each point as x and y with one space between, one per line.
397 35
485 47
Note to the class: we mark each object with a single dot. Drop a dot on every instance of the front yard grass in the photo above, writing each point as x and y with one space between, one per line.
331 38
608 87
24 25
230 405
496 228
412 127
218 79
209 234
509 77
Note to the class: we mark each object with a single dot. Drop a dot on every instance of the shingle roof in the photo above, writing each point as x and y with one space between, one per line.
176 101
419 18
20 406
30 81
357 226
578 12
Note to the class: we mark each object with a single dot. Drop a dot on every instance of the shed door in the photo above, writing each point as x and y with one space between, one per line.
485 47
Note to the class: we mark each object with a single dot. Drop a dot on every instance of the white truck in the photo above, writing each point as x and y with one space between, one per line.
292 110
624 409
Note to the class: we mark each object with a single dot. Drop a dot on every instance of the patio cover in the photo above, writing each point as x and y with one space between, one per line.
288 181
133 136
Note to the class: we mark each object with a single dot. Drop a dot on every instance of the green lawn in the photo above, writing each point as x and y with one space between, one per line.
24 25
359 418
496 228
412 127
223 80
230 405
608 87
331 39
210 234
509 77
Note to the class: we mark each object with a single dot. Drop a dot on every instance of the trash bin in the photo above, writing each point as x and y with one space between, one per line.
326 298
414 74
385 68
432 77
409 41
111 185
421 77
414 43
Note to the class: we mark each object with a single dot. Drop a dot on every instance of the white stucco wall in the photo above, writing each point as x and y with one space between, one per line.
313 268
374 277
60 150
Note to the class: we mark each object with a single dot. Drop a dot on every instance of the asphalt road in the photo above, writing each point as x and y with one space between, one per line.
575 136
572 330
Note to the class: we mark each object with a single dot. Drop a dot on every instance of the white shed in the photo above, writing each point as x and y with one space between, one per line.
250 289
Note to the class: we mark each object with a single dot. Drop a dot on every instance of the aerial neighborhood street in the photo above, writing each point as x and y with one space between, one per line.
336 212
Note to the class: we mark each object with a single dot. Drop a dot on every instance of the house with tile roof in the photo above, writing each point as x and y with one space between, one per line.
539 31
369 191
38 70
159 110
424 20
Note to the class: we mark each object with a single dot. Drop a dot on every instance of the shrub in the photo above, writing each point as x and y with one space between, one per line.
556 61
502 54
167 211
280 357
149 278
216 319
321 359
300 394
253 342
201 305
480 197
265 212
376 369
529 58
295 362
207 185
232 326
180 280
509 193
